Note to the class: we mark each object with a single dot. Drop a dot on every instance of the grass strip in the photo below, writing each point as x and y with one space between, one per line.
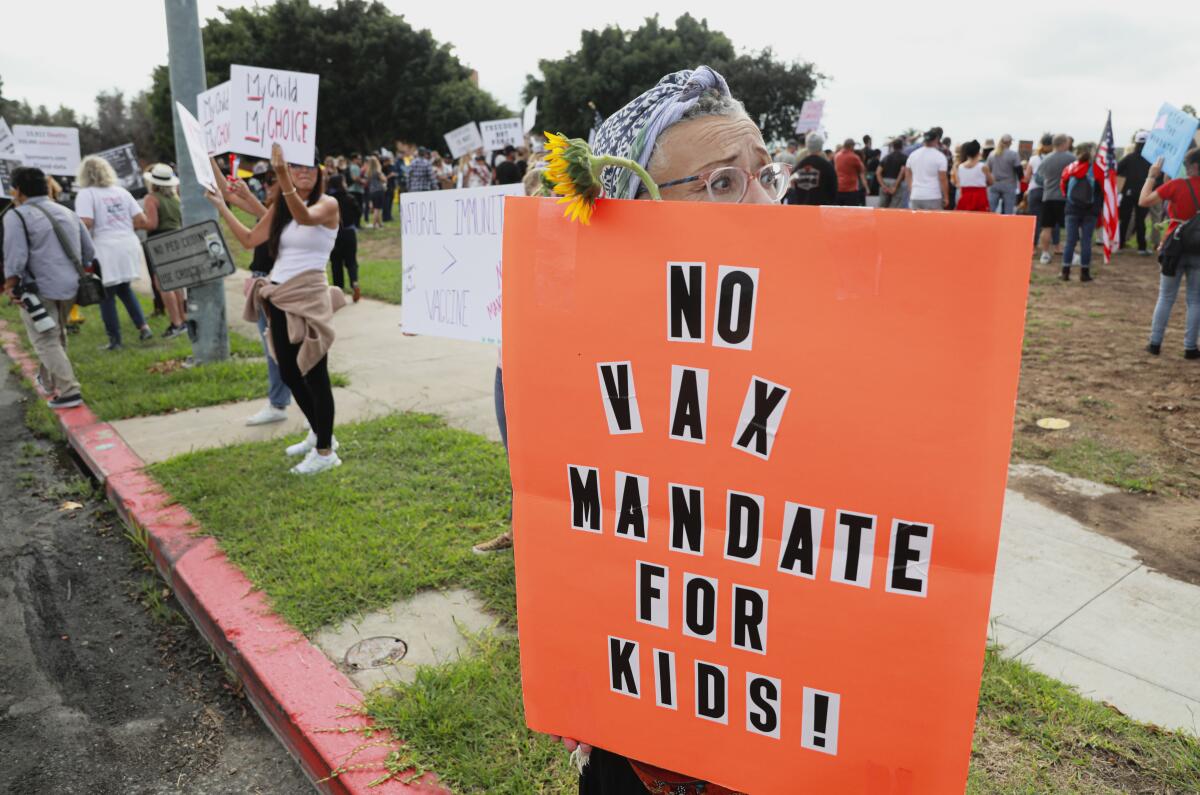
400 516
149 377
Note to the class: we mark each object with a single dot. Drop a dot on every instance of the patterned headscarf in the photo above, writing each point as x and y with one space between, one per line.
633 130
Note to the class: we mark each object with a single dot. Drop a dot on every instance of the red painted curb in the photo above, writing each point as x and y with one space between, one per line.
301 696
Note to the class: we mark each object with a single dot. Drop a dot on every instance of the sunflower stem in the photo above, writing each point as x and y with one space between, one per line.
604 161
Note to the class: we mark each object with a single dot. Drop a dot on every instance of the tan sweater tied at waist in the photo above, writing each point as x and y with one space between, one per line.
309 303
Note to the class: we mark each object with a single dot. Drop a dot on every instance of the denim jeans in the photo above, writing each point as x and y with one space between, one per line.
277 391
1079 230
501 419
108 310
1003 194
1168 288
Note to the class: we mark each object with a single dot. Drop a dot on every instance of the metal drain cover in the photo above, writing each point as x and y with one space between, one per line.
377 652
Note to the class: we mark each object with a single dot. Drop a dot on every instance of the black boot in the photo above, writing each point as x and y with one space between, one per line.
1154 349
1066 273
1085 274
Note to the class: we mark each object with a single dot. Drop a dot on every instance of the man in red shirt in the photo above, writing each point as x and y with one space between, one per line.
1181 197
851 176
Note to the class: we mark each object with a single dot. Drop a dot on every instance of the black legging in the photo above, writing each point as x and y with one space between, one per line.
345 255
313 392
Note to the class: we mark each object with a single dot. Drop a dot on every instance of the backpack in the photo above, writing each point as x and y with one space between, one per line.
1184 239
1081 192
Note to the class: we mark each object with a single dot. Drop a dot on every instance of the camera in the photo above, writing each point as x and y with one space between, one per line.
36 309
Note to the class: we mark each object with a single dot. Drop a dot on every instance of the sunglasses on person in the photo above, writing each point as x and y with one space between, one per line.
730 184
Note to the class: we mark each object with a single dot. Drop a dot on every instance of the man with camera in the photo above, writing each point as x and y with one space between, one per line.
41 275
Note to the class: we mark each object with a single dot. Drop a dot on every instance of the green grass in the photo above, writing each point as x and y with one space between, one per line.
1036 735
379 279
465 721
143 378
397 517
1088 458
400 516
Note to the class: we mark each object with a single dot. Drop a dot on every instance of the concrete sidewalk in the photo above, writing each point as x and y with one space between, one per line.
1068 601
388 372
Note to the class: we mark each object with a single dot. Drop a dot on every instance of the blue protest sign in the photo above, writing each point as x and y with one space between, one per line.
1170 138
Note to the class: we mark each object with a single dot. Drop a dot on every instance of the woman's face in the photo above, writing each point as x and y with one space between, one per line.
303 177
699 145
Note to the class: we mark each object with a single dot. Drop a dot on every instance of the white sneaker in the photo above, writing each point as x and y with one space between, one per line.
1077 259
267 415
315 462
1045 258
308 445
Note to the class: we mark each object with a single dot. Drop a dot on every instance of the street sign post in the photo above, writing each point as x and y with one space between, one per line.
189 257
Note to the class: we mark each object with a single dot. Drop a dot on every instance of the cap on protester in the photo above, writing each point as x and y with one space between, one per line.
933 134
1140 137
422 151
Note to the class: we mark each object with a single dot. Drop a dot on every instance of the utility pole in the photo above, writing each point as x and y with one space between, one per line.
205 304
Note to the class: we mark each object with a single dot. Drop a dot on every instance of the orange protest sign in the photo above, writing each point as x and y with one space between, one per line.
758 460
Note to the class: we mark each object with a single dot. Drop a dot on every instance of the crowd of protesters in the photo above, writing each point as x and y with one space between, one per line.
1058 182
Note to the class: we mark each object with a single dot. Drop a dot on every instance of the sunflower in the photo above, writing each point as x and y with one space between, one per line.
572 175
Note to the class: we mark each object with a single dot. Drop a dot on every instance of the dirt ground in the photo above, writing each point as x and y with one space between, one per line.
1135 418
104 686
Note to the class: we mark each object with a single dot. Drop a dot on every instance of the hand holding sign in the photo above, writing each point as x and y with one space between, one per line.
193 135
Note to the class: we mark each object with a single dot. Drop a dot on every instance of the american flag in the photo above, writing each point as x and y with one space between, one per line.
1106 160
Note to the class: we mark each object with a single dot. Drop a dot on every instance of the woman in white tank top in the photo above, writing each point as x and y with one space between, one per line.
972 176
299 229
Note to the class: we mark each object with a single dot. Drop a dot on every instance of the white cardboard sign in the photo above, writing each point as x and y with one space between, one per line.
451 243
216 117
529 116
273 106
8 142
464 140
810 115
499 133
193 134
55 150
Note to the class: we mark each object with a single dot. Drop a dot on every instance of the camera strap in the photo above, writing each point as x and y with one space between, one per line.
62 239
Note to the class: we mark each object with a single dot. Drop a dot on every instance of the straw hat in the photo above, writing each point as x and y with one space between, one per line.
161 174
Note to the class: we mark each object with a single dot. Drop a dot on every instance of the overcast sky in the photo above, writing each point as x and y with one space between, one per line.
890 66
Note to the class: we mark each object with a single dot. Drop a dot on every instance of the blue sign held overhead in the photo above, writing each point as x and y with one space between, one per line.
1170 138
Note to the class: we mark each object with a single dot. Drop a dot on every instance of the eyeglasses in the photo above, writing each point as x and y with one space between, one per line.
729 184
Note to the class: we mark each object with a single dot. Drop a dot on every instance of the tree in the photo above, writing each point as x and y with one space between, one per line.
381 79
612 66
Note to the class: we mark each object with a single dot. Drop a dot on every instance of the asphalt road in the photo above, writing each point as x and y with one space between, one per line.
104 686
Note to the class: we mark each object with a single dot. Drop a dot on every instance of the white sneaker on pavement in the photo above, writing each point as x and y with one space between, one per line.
268 415
314 462
308 445
1045 258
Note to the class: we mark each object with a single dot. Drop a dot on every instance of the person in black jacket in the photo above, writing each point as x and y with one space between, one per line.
1133 169
345 249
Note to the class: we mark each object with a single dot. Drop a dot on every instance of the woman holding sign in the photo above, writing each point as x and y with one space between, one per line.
300 229
698 144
